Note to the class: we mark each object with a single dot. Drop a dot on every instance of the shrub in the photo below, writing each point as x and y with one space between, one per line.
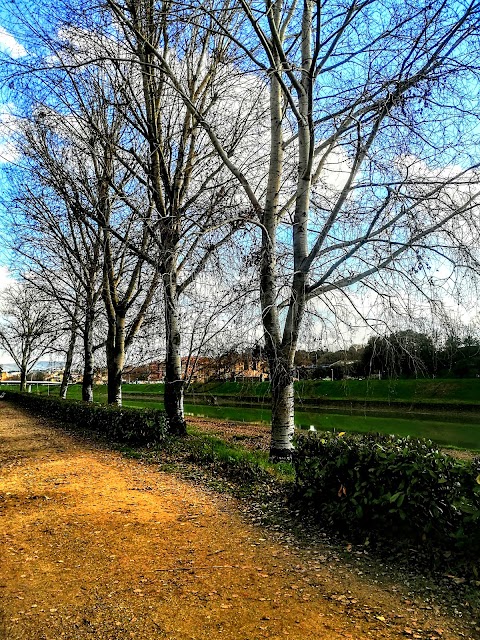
118 424
391 487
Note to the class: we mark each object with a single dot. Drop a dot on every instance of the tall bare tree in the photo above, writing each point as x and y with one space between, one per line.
52 235
194 211
368 167
73 145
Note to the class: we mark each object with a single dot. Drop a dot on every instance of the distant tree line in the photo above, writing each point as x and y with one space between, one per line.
411 354
406 354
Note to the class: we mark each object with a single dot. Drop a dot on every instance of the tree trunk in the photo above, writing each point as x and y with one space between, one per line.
281 380
174 384
115 359
69 359
23 378
283 426
88 368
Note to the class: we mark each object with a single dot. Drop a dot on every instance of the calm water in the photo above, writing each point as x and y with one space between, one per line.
465 434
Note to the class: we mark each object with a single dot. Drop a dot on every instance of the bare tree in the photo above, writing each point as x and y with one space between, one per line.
61 251
70 350
368 167
72 145
194 210
28 329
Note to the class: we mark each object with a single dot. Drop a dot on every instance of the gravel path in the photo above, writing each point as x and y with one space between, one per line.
93 545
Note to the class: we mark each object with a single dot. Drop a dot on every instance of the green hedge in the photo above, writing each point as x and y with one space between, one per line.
118 424
390 487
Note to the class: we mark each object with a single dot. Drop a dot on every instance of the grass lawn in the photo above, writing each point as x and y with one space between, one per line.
437 391
416 390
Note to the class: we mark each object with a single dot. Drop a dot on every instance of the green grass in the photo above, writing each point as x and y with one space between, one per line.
221 460
438 391
144 389
238 455
416 390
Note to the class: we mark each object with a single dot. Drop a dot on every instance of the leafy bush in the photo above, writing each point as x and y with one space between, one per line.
391 487
118 424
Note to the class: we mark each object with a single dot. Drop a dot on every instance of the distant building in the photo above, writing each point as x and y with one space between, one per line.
231 366
100 376
53 376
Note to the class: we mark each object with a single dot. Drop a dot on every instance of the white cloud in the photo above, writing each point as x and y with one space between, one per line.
5 281
9 45
5 278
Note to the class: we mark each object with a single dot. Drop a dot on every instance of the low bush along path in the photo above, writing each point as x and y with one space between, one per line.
93 545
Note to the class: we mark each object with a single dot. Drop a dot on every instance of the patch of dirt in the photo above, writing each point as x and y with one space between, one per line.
252 436
93 545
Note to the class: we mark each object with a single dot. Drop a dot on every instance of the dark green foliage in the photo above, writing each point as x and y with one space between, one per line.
460 357
404 353
118 424
412 354
402 489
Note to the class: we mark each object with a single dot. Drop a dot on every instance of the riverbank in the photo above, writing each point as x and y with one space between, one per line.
455 428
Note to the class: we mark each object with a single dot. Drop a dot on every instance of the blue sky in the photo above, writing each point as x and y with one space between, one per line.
9 46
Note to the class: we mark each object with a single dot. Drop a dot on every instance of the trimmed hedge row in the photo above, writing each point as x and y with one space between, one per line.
391 487
118 424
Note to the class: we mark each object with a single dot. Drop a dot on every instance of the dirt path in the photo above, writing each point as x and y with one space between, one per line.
96 546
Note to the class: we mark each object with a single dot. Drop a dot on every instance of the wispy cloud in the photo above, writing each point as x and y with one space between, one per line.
9 45
5 277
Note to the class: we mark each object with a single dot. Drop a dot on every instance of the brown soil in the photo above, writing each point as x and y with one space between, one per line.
254 436
93 545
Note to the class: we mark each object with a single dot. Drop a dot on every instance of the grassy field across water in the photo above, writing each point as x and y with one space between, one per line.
419 390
